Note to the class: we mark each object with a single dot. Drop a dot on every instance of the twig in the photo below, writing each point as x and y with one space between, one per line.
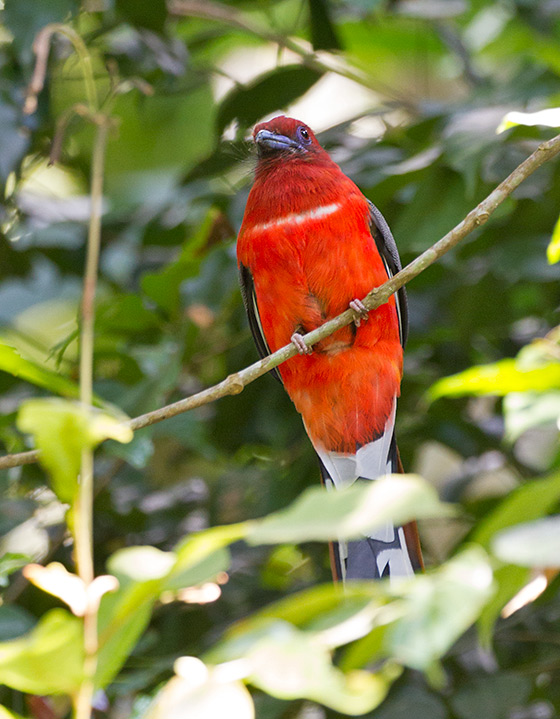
41 47
235 383
321 62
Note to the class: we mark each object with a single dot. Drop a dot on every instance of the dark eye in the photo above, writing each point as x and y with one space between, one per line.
303 134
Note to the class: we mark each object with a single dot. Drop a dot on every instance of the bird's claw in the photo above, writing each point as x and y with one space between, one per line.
299 343
360 312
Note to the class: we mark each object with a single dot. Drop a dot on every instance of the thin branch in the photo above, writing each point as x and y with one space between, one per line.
320 61
41 46
235 383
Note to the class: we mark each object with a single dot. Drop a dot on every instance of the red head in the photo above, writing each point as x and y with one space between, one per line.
284 138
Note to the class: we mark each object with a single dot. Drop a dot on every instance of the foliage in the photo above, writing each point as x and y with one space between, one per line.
217 612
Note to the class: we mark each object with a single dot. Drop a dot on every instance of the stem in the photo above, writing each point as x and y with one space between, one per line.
83 532
41 47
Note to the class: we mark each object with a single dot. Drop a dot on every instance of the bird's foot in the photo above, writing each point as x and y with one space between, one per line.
360 312
298 342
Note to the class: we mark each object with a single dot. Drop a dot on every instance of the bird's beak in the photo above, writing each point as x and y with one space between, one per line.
267 140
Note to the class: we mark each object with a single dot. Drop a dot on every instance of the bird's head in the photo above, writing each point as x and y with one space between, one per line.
284 137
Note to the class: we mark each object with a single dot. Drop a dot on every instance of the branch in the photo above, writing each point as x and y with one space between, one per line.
235 383
320 61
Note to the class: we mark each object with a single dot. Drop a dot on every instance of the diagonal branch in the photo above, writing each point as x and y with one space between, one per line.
235 383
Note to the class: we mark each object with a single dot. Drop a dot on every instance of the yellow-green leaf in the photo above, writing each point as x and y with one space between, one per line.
61 430
553 249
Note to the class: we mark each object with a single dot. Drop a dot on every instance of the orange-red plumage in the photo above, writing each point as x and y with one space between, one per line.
306 272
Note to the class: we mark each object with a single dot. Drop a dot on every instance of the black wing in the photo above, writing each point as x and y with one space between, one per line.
388 250
250 302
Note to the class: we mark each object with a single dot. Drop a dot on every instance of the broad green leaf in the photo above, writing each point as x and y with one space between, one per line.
532 544
62 429
200 692
548 118
499 378
438 608
291 664
535 498
525 410
269 92
508 580
320 515
13 363
48 660
164 286
144 573
7 714
553 249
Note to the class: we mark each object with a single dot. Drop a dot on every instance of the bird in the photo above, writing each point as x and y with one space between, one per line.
309 247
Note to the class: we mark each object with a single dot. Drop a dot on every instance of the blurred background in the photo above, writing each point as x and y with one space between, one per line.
406 95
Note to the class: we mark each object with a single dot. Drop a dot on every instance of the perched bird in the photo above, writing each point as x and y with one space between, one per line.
310 246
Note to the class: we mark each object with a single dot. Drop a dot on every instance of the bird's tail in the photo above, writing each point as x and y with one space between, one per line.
387 552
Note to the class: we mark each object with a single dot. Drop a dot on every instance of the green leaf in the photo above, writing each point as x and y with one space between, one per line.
499 378
323 33
531 544
553 249
269 92
535 498
199 692
7 714
290 664
548 118
164 286
438 608
320 515
509 580
13 363
526 410
144 573
48 660
150 15
61 430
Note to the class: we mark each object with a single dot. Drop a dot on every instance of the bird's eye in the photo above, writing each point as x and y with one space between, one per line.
303 134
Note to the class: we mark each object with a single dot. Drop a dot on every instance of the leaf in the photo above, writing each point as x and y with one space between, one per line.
269 92
323 33
320 515
535 498
7 714
290 664
531 544
508 580
438 608
553 249
526 410
499 378
13 363
61 430
150 15
198 692
144 573
549 118
48 660
55 579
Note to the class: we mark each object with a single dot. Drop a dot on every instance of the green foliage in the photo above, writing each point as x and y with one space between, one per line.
175 509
